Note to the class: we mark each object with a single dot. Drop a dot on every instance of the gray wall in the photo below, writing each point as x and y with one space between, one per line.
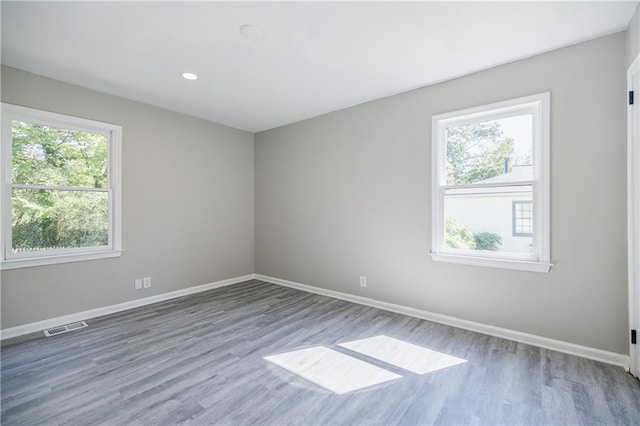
187 197
348 194
633 37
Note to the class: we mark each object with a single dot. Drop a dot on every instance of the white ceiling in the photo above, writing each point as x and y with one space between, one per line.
311 58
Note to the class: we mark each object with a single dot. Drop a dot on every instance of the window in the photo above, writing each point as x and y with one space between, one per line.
522 219
490 189
60 190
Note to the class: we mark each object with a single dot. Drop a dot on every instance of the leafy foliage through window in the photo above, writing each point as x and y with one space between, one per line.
58 197
476 151
48 156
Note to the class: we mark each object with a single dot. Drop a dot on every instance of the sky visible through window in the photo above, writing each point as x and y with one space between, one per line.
520 129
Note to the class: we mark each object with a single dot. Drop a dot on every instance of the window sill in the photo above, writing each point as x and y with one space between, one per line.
518 265
52 260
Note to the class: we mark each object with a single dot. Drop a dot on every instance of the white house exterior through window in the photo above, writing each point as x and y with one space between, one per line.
490 185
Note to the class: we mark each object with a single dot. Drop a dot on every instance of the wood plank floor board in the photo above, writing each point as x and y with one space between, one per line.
200 360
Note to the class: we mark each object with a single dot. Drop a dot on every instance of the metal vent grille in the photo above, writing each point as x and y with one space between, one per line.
65 328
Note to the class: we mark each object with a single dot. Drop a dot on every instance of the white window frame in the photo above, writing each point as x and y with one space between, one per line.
539 260
10 260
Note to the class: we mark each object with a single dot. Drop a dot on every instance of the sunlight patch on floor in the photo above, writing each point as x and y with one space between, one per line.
332 370
407 356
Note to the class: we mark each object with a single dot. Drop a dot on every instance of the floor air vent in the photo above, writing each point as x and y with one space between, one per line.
65 328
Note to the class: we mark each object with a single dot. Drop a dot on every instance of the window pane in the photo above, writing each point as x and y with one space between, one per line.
45 155
482 219
496 151
522 218
46 220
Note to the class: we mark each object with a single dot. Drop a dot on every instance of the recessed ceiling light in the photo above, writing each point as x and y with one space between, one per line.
189 76
251 32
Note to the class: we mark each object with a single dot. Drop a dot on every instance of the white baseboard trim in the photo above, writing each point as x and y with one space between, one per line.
106 310
621 360
518 336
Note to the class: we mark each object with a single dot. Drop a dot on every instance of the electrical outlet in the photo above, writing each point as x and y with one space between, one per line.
363 281
138 284
147 282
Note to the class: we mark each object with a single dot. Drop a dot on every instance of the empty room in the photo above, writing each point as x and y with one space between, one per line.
320 213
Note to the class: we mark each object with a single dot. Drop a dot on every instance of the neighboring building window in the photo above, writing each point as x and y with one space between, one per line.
490 192
522 219
60 188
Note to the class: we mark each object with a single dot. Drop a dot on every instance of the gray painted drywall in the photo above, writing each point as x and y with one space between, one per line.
633 37
187 206
348 194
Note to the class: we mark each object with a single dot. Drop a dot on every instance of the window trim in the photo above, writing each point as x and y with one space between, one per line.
113 133
539 105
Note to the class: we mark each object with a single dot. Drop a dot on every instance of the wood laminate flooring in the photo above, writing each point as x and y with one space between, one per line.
200 360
